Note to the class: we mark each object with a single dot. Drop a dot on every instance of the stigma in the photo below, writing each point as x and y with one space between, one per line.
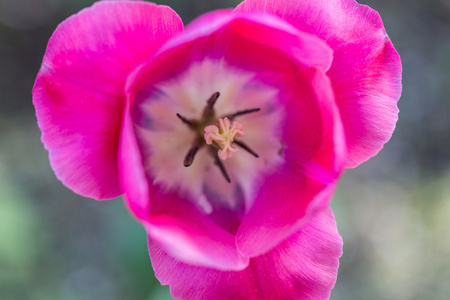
223 137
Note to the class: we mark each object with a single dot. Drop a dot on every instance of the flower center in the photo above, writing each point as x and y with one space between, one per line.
171 117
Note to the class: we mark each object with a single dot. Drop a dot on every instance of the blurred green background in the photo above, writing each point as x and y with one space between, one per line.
393 211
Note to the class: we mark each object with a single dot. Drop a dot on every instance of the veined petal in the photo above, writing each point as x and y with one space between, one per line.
367 94
314 152
78 93
304 266
366 70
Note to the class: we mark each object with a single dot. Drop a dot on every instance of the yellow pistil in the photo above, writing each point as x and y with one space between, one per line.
224 136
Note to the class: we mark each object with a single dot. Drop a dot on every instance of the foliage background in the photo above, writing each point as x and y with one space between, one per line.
393 211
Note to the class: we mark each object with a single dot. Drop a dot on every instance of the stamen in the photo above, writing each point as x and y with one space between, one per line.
224 137
185 120
189 159
246 148
242 112
222 168
209 109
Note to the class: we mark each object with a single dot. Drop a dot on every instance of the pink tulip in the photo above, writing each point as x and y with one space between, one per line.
227 137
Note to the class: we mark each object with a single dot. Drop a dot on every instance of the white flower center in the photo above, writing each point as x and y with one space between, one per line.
212 136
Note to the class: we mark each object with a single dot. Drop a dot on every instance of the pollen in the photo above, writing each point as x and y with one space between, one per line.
223 137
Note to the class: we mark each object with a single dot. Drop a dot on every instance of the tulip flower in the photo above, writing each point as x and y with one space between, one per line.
226 137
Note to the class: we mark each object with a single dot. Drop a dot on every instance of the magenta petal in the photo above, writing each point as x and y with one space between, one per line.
78 93
314 153
367 95
190 235
261 43
304 266
265 30
131 170
366 70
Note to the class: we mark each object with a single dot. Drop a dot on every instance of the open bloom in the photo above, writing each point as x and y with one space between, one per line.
227 137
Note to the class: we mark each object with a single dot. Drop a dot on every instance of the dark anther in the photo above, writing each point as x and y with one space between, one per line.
246 148
185 121
189 159
280 152
209 109
242 112
219 163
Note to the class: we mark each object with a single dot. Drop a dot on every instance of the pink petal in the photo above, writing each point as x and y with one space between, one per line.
190 235
314 154
131 170
78 93
304 266
261 43
366 70
265 30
